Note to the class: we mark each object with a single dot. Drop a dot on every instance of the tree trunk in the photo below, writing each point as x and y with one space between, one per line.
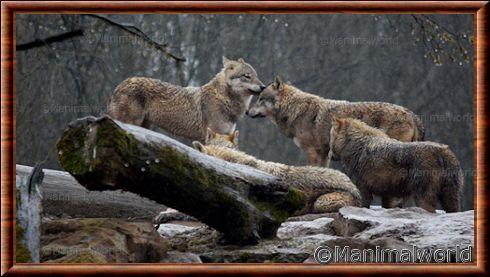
28 215
242 203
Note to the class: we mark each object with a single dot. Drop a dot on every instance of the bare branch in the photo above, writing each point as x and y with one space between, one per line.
49 40
136 32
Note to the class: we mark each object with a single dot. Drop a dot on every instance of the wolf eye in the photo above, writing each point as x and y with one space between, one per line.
247 76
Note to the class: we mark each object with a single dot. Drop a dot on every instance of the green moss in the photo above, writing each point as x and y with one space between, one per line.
70 150
285 206
294 200
22 254
244 257
110 135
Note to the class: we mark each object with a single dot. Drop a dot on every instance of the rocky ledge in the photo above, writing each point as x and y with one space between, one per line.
352 228
187 240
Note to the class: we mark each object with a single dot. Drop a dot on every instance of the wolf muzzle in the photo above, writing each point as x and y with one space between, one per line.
255 92
254 115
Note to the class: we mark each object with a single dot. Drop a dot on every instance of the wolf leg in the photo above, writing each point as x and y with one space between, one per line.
325 159
450 199
426 202
391 202
367 198
313 157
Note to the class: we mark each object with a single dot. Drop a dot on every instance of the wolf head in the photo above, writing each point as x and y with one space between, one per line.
241 77
219 152
228 141
349 129
337 138
225 153
264 106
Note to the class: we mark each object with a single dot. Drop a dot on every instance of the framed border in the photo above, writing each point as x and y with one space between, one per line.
9 9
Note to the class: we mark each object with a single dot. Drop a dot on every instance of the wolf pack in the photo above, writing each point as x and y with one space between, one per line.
380 146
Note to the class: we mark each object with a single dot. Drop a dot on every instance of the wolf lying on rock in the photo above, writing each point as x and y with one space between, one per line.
327 189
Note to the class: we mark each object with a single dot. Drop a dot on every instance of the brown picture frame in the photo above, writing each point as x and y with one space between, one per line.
9 9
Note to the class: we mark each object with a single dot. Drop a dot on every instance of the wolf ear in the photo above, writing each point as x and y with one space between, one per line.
337 124
234 137
198 146
225 61
241 60
210 134
279 83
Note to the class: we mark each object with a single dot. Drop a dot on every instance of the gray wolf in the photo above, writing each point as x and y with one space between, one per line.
307 118
217 139
188 111
380 165
327 189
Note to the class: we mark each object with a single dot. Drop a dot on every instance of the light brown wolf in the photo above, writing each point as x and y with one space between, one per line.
307 118
380 165
216 139
188 111
327 189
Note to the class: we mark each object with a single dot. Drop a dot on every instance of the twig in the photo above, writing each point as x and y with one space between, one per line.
136 32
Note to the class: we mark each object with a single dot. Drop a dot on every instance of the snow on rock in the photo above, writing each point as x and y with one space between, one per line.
170 229
413 225
300 228
356 228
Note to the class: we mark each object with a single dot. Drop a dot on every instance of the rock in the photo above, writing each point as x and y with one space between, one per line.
181 257
301 228
172 229
172 215
375 229
102 240
310 217
412 225
412 229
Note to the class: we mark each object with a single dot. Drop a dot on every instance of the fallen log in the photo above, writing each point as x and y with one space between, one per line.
244 204
64 197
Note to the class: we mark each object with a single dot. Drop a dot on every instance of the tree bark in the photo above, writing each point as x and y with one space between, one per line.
242 203
28 216
63 196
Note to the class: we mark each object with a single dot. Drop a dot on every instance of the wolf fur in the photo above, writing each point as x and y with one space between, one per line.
380 165
327 189
307 118
188 111
216 139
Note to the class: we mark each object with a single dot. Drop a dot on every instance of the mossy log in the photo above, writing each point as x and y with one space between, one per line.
242 203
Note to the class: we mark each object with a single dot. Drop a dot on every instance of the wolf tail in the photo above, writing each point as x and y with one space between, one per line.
354 191
452 184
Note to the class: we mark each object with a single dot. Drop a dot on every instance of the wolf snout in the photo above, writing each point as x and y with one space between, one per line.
253 114
256 89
